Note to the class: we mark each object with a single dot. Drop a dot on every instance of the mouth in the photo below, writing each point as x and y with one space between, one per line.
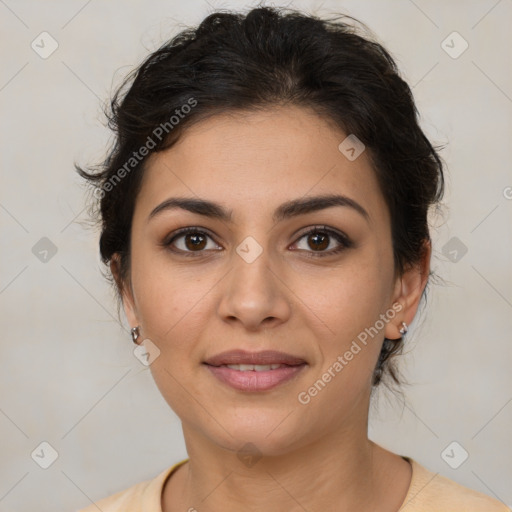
254 367
259 371
263 358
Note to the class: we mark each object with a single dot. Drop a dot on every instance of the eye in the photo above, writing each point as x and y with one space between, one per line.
189 240
320 238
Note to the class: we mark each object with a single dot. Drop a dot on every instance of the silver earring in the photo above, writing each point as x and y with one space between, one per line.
403 330
135 334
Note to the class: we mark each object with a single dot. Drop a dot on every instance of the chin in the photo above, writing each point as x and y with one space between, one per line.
265 434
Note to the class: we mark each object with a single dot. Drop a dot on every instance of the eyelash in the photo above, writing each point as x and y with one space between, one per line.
345 242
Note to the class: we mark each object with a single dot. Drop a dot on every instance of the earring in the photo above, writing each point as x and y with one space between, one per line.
403 330
135 332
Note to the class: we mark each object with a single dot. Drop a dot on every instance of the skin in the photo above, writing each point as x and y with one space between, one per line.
313 455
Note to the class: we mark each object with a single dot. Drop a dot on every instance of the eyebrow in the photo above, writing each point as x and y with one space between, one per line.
285 211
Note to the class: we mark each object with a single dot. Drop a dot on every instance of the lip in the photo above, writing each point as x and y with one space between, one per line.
252 380
263 357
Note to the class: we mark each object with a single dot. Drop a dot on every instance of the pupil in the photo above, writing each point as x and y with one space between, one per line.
194 241
320 241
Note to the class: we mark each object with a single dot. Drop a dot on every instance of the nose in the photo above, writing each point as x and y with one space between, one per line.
254 294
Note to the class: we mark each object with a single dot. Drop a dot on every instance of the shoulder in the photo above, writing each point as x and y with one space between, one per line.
431 492
140 497
126 500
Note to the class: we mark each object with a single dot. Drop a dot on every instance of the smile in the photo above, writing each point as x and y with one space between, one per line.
255 377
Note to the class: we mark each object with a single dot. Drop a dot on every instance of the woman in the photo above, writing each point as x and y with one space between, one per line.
264 217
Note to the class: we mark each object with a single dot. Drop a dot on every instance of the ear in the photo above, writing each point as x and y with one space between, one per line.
408 291
125 291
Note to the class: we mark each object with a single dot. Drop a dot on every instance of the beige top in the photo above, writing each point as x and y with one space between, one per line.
428 492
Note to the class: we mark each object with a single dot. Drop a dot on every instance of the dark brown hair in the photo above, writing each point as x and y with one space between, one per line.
270 56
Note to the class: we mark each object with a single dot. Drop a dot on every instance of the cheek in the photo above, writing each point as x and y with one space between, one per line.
350 297
348 351
172 311
171 300
349 301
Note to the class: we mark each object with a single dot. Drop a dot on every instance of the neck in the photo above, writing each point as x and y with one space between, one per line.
342 468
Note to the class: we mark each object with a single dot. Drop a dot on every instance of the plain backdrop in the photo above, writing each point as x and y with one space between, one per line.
68 375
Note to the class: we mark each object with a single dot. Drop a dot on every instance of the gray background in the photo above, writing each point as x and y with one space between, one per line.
68 375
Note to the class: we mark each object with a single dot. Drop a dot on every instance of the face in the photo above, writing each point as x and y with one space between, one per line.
260 278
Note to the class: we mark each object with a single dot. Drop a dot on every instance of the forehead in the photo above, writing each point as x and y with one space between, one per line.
254 161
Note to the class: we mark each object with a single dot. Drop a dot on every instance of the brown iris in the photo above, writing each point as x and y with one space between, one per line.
321 241
195 241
